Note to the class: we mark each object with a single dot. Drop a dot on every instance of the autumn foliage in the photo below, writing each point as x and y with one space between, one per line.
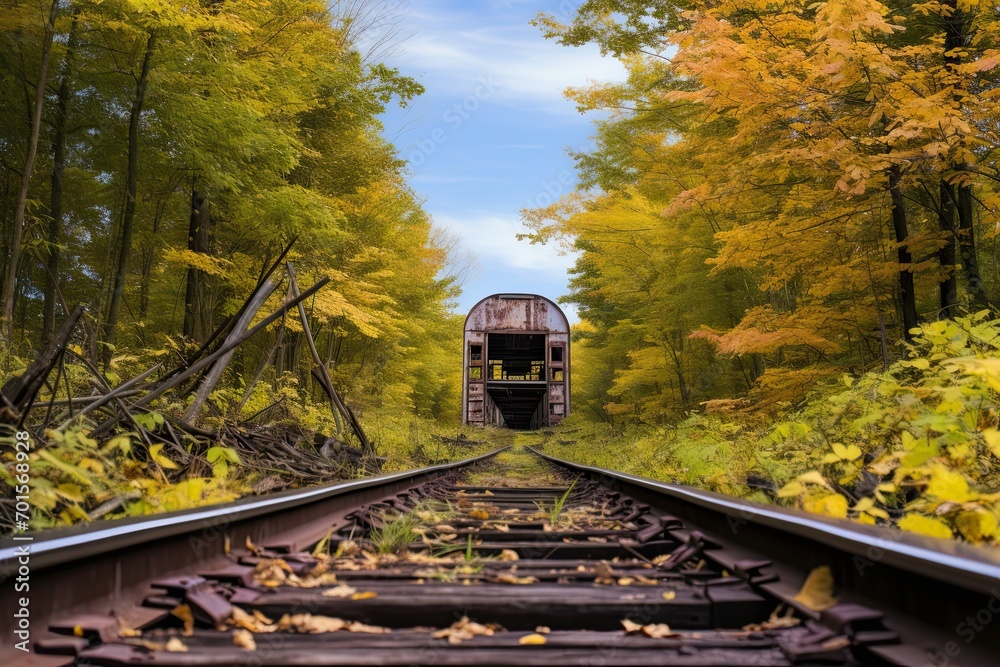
782 193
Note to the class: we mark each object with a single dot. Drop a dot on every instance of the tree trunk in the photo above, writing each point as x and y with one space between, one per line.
10 284
907 295
194 318
946 256
967 248
957 25
54 232
131 185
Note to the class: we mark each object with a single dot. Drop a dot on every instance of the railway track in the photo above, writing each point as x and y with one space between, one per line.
503 561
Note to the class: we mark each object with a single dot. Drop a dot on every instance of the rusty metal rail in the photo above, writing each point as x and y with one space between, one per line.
430 567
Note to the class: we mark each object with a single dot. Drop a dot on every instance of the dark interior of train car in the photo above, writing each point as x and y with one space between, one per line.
515 376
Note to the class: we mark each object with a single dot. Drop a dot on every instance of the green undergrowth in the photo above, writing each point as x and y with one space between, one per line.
915 447
75 478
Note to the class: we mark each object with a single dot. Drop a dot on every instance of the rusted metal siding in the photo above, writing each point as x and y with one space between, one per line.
516 314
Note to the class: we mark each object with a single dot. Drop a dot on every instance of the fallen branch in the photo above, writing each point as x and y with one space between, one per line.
19 393
212 377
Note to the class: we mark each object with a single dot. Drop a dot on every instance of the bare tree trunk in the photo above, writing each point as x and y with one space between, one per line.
54 234
194 319
131 186
907 293
10 284
946 256
967 249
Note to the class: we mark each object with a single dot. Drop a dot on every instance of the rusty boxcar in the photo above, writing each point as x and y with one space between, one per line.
516 362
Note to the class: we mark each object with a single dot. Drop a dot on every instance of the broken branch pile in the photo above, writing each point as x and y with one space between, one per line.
138 423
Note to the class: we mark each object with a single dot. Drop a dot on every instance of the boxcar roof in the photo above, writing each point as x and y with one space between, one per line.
516 312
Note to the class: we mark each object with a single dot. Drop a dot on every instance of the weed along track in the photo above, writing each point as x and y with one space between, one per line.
510 560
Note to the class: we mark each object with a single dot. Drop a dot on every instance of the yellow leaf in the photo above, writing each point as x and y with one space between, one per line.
669 595
817 591
833 504
244 639
161 459
948 484
977 526
184 613
364 595
531 640
924 525
992 438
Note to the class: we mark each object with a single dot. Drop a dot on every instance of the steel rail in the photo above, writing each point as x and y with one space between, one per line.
58 546
944 560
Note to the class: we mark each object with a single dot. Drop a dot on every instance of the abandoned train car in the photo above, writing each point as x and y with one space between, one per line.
516 362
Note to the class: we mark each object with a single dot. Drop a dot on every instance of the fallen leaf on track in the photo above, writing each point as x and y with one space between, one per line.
817 591
463 629
531 640
514 579
244 639
183 612
175 645
341 591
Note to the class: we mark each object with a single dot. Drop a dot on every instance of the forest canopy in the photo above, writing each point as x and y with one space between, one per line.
788 261
158 156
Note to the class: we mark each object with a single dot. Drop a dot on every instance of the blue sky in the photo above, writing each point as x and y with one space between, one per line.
489 137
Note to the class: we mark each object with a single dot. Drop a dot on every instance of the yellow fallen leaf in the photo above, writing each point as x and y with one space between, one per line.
175 645
776 621
531 640
479 514
355 626
543 630
463 629
669 595
505 578
631 627
832 504
258 622
817 591
364 595
977 526
658 631
509 554
183 612
244 639
341 591
626 581
925 525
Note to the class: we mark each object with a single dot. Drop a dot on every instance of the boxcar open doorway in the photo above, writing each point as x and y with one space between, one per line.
517 362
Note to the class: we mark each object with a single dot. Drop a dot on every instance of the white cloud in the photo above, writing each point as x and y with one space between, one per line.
493 239
459 55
